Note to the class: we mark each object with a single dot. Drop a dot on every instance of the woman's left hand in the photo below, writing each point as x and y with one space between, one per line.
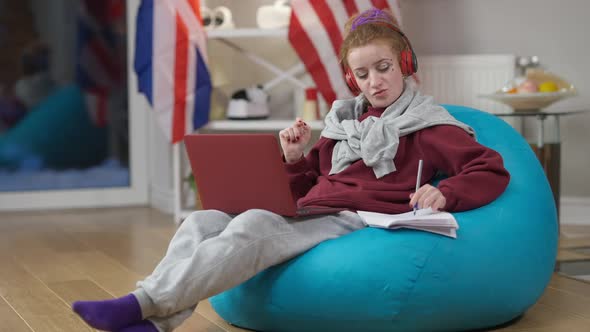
428 196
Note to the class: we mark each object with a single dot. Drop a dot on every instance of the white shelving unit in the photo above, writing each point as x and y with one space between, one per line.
227 37
289 75
258 125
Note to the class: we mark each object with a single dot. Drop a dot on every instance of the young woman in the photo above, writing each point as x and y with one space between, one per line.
366 159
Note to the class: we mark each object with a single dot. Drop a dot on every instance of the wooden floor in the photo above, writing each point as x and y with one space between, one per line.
48 260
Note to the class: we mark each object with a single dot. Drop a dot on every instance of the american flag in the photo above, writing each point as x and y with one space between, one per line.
171 64
316 31
100 57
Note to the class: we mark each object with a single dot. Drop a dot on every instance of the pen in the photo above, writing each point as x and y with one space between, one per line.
418 183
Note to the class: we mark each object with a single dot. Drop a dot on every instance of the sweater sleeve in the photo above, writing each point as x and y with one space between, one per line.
476 174
303 173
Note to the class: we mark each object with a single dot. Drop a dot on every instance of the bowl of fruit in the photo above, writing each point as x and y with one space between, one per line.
536 90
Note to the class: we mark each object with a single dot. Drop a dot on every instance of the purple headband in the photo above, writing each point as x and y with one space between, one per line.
372 15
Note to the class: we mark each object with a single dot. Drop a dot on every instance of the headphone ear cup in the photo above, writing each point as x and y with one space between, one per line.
414 63
408 63
404 64
351 82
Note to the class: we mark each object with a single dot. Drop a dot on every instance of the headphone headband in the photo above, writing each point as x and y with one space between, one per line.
404 37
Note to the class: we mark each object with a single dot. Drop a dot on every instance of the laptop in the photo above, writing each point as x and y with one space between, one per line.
238 172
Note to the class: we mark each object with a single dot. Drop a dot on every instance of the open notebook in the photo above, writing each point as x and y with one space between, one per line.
442 223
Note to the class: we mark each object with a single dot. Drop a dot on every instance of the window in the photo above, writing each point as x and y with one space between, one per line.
63 95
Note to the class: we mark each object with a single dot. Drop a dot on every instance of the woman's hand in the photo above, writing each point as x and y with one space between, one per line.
428 196
294 140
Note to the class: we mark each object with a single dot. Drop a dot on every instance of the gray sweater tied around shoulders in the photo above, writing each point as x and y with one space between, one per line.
375 140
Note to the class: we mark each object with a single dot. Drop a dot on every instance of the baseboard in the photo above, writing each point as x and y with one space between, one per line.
575 210
162 199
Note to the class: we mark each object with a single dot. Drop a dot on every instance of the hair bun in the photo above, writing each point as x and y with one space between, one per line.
372 16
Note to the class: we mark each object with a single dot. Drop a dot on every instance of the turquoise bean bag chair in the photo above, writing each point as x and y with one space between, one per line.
405 280
57 133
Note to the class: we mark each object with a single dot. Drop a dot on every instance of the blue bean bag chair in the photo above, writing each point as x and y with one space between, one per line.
406 280
57 133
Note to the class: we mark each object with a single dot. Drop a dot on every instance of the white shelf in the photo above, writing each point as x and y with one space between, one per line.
246 33
258 125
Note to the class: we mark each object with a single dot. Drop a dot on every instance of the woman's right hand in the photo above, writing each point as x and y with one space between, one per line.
294 140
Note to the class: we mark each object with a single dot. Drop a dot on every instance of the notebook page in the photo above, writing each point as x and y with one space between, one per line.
422 218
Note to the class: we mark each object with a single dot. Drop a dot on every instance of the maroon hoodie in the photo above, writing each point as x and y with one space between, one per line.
476 174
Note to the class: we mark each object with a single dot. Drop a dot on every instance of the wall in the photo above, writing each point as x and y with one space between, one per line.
524 27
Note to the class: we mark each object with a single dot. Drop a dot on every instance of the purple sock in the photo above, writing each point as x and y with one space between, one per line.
109 315
144 326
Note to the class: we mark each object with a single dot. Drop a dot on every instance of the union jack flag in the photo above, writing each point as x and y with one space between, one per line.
171 64
316 31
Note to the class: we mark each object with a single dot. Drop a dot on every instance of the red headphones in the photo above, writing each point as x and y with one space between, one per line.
408 62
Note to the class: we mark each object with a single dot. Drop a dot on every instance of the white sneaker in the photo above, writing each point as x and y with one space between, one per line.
248 104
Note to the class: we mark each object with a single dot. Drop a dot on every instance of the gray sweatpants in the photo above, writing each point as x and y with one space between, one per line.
212 252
